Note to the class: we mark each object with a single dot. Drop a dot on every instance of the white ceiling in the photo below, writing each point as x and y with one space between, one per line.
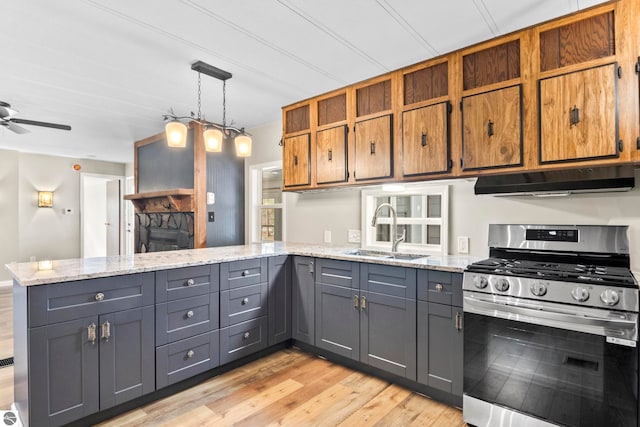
110 69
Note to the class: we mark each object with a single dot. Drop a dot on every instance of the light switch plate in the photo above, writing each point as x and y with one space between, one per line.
211 198
353 236
327 236
463 245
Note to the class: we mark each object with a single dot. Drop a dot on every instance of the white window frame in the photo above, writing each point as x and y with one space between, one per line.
255 201
368 207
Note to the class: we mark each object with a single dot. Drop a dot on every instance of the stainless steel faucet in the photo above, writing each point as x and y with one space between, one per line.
395 240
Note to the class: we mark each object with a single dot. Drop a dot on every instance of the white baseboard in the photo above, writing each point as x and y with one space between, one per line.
5 283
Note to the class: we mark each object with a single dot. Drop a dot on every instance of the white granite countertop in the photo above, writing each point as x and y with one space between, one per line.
44 272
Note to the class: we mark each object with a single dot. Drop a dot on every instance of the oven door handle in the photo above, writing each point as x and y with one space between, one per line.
544 315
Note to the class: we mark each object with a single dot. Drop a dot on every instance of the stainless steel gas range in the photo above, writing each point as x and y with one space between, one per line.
551 329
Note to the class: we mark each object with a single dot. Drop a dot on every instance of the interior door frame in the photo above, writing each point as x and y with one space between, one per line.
106 177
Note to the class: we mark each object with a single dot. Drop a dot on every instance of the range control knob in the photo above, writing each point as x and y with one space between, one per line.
502 285
580 294
609 297
480 282
539 289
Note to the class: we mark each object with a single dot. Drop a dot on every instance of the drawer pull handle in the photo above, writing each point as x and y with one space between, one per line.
574 116
356 302
190 282
490 131
106 331
91 333
439 287
372 147
99 296
246 335
190 354
458 321
363 303
423 140
189 314
245 273
245 301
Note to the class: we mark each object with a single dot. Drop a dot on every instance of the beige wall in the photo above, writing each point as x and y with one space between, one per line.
309 214
42 232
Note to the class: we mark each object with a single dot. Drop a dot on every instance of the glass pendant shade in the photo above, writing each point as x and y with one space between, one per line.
213 140
176 133
243 146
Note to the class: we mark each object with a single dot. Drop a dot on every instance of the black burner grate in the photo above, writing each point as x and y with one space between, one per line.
6 362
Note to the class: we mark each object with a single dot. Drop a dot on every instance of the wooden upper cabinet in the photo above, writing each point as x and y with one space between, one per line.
578 115
331 155
373 99
296 161
425 140
492 129
374 148
297 119
426 83
492 65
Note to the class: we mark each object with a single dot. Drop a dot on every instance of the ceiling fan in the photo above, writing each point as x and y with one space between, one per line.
8 121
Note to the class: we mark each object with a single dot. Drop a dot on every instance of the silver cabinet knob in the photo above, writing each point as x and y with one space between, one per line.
245 273
245 335
190 282
439 287
99 296
609 297
245 301
190 354
190 314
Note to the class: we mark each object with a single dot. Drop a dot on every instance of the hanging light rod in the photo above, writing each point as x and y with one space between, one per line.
210 70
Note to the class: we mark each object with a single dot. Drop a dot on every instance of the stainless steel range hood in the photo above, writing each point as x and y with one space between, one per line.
558 182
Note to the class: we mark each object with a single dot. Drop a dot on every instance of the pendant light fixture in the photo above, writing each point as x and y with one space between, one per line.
214 134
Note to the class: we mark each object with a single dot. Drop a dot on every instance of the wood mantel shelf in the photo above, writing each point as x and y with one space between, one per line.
174 200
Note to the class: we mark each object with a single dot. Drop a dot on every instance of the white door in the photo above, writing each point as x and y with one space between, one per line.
113 217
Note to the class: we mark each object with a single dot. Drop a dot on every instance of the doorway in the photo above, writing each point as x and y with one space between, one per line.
101 215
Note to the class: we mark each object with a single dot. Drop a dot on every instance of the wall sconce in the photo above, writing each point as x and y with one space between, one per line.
45 199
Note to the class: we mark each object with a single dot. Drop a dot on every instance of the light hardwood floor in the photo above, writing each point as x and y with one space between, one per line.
287 388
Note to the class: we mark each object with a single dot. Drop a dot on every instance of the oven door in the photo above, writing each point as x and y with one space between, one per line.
561 364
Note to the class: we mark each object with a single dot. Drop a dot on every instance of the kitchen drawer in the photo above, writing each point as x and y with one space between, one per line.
243 339
339 273
243 273
183 359
240 304
440 287
388 280
184 318
187 282
74 300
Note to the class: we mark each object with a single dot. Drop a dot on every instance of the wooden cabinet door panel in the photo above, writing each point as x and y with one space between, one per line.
492 129
578 115
331 155
295 161
425 140
374 148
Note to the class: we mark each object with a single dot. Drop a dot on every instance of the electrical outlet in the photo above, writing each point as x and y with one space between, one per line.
211 216
463 245
353 236
327 236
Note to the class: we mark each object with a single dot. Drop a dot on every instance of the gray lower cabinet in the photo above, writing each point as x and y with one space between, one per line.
303 299
188 357
440 334
338 320
243 339
279 299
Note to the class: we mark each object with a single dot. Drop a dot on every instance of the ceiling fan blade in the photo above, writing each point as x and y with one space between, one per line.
43 124
14 127
6 110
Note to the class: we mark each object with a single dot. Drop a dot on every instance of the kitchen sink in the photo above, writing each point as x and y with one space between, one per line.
385 255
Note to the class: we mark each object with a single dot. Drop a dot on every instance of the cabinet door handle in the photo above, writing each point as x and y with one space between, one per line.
189 314
330 155
245 301
99 296
363 303
574 116
490 128
106 331
356 302
373 148
423 141
246 335
190 282
439 287
190 354
458 321
310 267
91 333
295 160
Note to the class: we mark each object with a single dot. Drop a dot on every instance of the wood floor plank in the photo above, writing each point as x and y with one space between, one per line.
200 416
377 408
430 413
450 417
405 413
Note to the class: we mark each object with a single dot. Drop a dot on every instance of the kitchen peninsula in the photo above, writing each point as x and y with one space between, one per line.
98 336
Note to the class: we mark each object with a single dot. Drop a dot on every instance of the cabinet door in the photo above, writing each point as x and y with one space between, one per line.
425 140
63 372
303 300
374 148
127 362
279 299
338 320
388 333
331 155
440 347
578 115
295 161
492 129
